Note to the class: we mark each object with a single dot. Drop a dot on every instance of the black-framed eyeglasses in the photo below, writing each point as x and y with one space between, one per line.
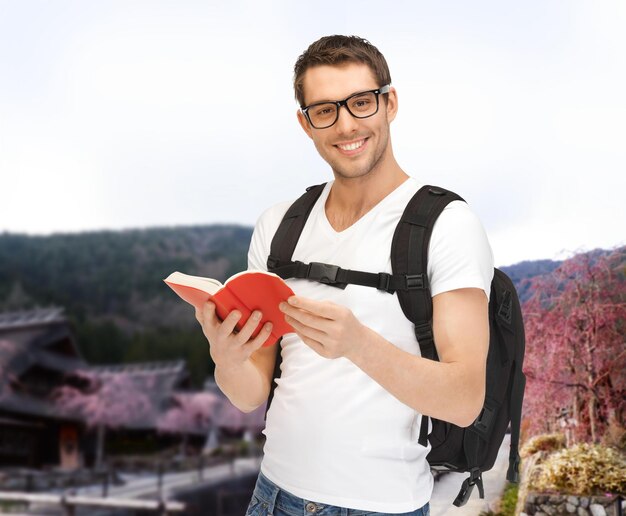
360 105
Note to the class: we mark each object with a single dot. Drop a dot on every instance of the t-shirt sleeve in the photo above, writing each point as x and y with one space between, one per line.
264 231
459 254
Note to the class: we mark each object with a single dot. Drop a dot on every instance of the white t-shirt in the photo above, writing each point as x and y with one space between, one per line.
333 435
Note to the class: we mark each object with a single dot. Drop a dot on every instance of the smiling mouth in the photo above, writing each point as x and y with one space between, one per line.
350 147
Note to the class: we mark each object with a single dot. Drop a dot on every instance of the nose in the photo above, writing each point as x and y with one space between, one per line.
346 123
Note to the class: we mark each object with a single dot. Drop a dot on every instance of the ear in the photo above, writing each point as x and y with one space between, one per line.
392 104
304 122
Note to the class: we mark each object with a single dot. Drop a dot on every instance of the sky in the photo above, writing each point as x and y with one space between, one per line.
137 114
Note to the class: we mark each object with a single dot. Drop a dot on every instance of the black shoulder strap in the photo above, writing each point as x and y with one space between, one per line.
282 248
276 374
510 313
288 232
409 255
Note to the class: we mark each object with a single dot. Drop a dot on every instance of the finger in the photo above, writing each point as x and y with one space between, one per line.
208 311
228 325
308 319
261 338
316 346
248 328
305 330
209 318
325 309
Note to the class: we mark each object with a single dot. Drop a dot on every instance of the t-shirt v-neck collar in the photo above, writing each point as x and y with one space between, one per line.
321 206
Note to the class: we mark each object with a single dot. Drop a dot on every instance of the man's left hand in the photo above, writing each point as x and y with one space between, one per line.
331 330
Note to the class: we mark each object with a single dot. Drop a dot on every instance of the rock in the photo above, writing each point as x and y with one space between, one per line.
584 502
573 500
570 508
597 509
582 512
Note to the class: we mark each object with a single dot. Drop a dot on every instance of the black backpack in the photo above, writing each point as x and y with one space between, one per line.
472 449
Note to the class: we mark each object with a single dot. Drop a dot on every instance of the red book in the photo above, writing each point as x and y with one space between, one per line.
245 291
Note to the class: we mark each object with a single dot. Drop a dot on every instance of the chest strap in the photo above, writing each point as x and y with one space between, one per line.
335 276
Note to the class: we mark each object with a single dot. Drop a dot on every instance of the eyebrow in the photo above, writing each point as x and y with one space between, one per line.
332 100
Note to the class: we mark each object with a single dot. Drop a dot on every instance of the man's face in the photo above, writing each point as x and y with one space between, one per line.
372 134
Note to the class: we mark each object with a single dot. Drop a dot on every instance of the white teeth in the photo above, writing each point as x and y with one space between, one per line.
351 146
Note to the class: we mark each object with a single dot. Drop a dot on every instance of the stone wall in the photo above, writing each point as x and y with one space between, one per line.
542 504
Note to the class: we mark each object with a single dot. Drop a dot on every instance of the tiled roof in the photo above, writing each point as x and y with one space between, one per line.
35 317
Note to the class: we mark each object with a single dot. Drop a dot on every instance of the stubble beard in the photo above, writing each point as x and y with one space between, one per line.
352 171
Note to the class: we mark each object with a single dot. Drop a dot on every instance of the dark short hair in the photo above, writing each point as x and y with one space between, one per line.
338 50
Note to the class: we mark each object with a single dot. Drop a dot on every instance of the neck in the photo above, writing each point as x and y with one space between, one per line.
357 195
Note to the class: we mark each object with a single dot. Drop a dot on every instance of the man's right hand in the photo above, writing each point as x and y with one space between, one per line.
229 348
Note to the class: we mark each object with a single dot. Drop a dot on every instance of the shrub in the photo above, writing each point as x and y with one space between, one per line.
545 442
584 469
507 504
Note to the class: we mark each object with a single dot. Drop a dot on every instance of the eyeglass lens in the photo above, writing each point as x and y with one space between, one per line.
360 106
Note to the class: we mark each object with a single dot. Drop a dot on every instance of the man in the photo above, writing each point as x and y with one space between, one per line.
342 430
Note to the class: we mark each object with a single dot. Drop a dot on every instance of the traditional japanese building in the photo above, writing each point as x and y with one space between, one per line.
39 358
37 350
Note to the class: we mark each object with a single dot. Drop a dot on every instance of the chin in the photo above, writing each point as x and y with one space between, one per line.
351 174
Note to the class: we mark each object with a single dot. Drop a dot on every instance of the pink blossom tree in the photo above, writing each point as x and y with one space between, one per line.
106 400
203 412
575 354
230 417
192 413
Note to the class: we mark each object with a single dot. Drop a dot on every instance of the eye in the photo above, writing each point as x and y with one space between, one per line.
362 102
324 111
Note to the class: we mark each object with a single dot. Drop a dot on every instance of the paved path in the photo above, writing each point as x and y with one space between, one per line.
146 486
447 488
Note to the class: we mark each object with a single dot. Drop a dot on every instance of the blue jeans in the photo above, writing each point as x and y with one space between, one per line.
270 500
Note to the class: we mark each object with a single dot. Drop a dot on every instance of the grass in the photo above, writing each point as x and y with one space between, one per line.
507 502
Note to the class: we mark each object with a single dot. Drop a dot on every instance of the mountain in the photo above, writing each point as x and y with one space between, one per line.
520 272
111 286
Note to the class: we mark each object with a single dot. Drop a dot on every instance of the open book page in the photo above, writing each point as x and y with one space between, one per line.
209 285
193 289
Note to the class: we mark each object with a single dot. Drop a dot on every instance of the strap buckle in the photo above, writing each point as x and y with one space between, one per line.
512 474
424 332
323 272
484 420
414 281
467 487
384 279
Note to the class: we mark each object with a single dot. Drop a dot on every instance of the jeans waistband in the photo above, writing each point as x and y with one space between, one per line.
275 497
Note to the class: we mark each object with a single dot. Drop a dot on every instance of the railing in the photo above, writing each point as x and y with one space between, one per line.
105 484
69 503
